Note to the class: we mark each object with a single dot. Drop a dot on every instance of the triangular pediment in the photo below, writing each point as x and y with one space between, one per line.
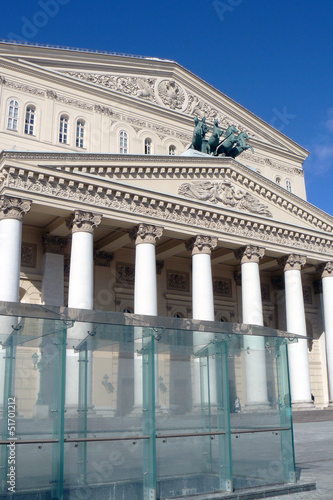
162 83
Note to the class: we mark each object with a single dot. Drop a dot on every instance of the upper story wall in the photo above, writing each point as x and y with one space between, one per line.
71 114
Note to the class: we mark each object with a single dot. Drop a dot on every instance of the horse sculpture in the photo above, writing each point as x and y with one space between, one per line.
228 143
241 145
215 137
197 135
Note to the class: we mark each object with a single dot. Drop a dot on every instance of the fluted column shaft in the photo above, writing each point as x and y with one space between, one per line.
203 309
145 294
298 353
255 357
80 293
327 279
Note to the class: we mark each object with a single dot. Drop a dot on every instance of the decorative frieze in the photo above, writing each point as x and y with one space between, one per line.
292 262
178 281
21 87
250 253
13 208
102 258
226 193
307 295
201 244
83 221
54 244
68 100
145 233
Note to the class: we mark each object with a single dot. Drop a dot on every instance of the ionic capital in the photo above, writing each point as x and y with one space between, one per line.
83 221
292 262
201 244
54 244
145 233
13 208
327 270
250 253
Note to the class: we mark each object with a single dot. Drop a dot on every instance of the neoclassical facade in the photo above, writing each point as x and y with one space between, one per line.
103 206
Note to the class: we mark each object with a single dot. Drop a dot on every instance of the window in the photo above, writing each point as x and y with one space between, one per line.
288 186
147 147
278 180
13 112
79 134
63 129
30 120
123 142
172 150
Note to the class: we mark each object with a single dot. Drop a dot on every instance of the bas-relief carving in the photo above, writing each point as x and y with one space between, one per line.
54 244
125 273
224 192
222 287
178 280
28 254
162 91
307 295
102 258
222 224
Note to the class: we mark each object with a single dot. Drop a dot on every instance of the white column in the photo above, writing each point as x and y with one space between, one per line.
255 357
12 211
53 270
145 293
202 308
327 279
80 293
298 353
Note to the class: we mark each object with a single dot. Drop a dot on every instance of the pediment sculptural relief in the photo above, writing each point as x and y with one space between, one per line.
226 193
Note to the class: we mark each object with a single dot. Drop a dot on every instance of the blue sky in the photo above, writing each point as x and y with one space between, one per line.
273 57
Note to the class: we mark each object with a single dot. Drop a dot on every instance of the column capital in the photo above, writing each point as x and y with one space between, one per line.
201 244
250 253
292 262
145 233
327 270
54 244
13 208
82 221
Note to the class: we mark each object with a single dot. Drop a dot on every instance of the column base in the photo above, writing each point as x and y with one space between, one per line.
41 411
256 407
302 405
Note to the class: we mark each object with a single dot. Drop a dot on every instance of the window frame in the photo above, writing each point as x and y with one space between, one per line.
123 142
13 115
29 125
148 144
80 131
63 137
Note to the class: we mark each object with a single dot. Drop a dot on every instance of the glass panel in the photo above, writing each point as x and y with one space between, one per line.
141 406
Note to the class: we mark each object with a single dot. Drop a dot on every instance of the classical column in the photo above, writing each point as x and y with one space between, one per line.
298 353
80 293
145 294
12 211
327 279
255 357
53 270
203 309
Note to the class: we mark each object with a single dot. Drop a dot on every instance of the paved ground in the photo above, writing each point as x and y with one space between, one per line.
314 454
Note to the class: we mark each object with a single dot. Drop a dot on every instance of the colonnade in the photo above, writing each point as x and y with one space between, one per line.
81 286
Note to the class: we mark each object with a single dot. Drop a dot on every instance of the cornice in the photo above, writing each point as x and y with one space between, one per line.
182 167
131 202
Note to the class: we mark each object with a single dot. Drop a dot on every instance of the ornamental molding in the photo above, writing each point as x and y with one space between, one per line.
327 270
293 262
103 258
67 100
276 166
13 208
54 244
20 86
82 221
201 244
250 253
118 198
226 193
145 233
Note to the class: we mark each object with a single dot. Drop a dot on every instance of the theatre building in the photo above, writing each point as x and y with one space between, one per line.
105 206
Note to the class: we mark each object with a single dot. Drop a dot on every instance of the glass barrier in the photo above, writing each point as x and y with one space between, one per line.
96 404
